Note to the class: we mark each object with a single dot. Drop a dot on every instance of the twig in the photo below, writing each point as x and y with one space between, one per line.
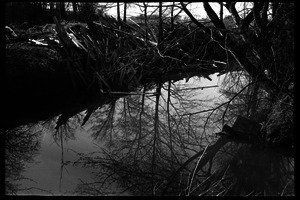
196 88
196 167
212 151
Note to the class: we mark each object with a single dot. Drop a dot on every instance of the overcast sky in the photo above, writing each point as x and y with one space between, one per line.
195 8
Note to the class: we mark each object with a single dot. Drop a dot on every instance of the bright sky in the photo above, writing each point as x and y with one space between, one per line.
195 8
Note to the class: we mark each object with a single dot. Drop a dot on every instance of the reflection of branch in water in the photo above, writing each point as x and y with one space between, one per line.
211 151
59 133
196 167
196 88
31 188
65 131
62 157
21 145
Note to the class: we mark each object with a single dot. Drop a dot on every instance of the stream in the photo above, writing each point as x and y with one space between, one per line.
45 171
46 176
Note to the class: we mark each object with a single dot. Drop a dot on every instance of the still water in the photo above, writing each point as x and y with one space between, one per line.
44 175
45 171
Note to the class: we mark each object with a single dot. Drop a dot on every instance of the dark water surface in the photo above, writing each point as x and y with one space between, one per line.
45 172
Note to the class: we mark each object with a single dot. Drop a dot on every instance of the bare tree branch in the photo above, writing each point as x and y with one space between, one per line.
213 16
200 25
231 8
221 11
257 8
246 22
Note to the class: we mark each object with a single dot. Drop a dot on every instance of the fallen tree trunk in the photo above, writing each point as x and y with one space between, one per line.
40 86
88 70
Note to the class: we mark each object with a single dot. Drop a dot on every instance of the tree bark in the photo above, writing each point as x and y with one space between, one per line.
125 9
145 21
221 11
160 26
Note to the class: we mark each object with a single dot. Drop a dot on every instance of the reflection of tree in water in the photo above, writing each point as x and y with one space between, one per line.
129 130
21 145
130 135
233 168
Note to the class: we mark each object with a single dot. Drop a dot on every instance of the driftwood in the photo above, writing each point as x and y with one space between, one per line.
243 130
